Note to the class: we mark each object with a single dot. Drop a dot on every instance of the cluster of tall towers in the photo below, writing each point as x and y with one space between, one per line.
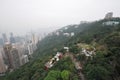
9 58
15 53
4 39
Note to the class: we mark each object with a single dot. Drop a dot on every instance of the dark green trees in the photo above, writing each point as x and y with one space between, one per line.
53 75
57 75
74 49
98 68
65 74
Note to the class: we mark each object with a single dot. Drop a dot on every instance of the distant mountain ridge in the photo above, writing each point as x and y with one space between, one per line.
82 31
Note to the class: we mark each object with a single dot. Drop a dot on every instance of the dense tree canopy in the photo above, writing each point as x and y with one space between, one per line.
105 65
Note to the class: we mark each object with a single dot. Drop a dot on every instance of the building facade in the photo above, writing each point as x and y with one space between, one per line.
8 59
109 15
15 58
12 39
4 38
2 65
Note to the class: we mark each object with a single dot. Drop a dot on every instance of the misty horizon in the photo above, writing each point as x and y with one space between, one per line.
23 16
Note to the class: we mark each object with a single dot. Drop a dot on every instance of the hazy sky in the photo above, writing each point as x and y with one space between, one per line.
21 16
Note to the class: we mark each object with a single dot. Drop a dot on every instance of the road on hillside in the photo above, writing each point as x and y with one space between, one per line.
77 65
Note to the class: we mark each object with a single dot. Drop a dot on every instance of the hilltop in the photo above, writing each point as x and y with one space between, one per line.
100 37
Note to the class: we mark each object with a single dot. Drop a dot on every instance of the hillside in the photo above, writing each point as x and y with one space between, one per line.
103 35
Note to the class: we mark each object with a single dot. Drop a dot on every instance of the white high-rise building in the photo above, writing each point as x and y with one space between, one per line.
109 15
30 48
23 53
15 58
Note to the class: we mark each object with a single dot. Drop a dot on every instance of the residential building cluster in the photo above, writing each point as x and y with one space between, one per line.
15 53
53 60
86 49
69 34
88 52
110 22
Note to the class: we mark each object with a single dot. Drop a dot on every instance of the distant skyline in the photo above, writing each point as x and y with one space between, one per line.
22 16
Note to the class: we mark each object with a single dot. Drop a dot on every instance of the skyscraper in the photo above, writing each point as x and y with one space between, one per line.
8 59
12 39
30 47
12 58
2 65
1 42
4 38
15 58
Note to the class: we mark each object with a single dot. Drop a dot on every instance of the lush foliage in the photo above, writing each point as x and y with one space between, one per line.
105 65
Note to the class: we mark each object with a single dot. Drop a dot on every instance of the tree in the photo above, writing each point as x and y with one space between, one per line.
50 78
75 77
53 75
74 49
65 74
113 40
98 68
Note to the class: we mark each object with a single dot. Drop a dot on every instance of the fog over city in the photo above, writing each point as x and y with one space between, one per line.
22 16
59 39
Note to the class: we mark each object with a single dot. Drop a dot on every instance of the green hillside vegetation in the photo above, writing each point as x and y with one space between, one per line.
104 65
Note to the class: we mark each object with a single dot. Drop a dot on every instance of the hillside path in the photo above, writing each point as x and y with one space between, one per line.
77 65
